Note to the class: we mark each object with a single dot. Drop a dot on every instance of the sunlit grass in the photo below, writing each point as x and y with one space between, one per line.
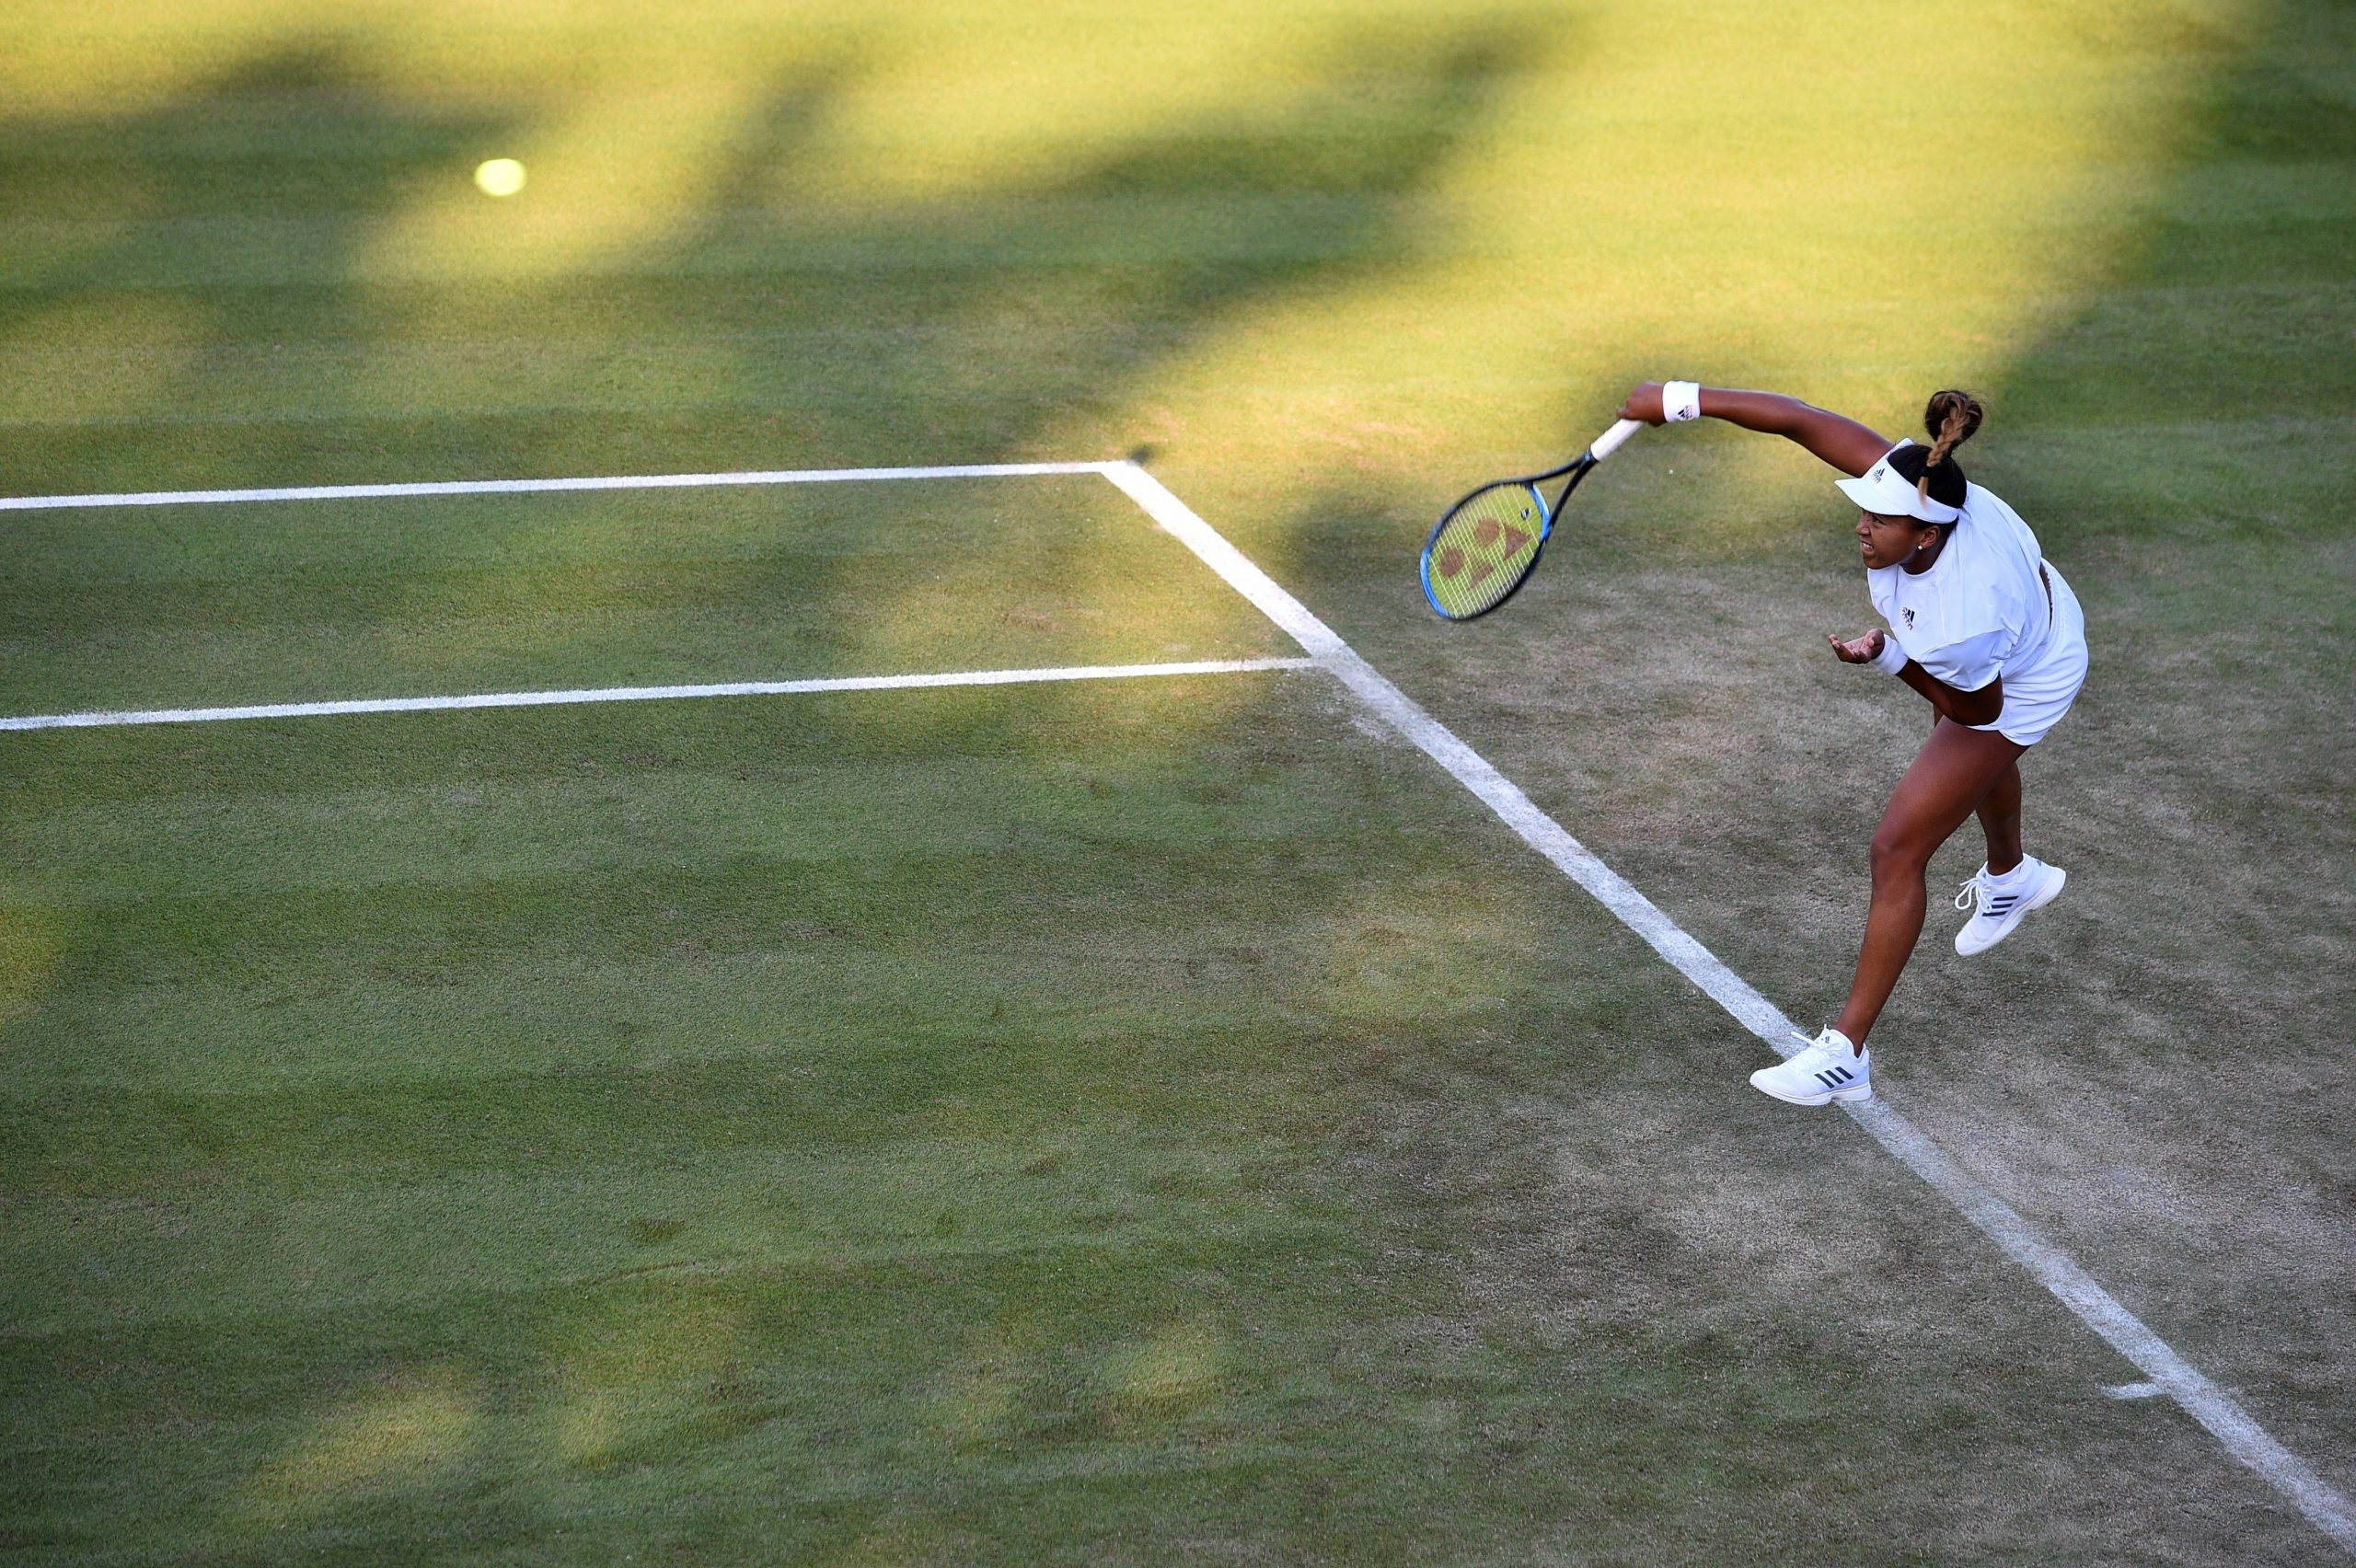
1811 200
1812 196
393 1434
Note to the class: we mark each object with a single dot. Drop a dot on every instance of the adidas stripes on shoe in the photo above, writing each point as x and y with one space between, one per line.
2002 900
1830 1068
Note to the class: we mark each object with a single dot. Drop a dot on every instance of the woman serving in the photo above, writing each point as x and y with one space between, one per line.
1983 628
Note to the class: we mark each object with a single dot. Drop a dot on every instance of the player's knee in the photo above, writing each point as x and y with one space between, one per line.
1898 854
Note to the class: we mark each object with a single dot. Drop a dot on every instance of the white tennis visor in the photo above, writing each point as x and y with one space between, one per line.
1884 490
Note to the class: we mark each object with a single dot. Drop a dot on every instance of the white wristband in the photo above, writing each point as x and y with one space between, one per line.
1680 400
1892 658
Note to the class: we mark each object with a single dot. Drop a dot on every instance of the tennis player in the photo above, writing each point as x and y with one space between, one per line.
1983 628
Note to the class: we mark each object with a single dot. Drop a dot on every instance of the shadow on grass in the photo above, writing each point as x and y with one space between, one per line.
946 329
267 327
937 330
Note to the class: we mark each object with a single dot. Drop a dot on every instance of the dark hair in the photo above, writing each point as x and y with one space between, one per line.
1948 420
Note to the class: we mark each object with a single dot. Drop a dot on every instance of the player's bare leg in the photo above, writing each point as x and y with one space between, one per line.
2000 819
1954 771
2014 882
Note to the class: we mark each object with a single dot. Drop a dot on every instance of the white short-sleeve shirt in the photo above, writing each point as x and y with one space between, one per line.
1980 610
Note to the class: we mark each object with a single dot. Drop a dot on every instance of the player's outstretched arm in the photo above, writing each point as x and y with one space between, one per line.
1839 441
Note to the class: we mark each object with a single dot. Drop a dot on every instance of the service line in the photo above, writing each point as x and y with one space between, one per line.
645 694
536 487
2211 1406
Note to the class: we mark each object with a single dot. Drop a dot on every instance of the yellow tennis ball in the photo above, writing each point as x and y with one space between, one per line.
499 176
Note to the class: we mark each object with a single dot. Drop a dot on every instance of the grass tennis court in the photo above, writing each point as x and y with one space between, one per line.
1162 1118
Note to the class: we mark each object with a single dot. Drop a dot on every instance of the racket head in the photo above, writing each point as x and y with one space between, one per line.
1485 547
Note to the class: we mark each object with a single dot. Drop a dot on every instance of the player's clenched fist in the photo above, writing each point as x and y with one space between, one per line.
1643 403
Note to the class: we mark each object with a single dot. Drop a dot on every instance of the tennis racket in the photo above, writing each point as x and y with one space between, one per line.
1487 546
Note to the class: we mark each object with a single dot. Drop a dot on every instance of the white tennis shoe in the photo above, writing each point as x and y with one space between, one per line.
1830 1069
2004 899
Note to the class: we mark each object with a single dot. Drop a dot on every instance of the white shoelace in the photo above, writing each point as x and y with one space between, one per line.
1842 1051
1825 1055
1977 889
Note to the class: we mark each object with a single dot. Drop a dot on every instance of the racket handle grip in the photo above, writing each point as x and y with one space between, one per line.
1611 440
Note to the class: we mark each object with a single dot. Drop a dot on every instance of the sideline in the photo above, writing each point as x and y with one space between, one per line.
646 693
2233 1426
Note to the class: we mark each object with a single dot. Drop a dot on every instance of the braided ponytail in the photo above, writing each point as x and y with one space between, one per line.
1949 420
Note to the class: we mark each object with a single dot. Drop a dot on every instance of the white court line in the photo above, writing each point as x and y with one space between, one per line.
533 487
2233 1427
646 693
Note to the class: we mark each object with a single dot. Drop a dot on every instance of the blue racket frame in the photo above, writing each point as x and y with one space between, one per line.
1577 470
1605 445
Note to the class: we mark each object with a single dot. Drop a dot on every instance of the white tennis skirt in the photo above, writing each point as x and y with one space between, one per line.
2037 697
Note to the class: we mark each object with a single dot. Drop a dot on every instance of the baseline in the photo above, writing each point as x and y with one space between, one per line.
2211 1406
647 693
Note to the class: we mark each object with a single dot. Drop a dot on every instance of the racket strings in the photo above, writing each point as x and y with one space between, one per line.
1485 547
